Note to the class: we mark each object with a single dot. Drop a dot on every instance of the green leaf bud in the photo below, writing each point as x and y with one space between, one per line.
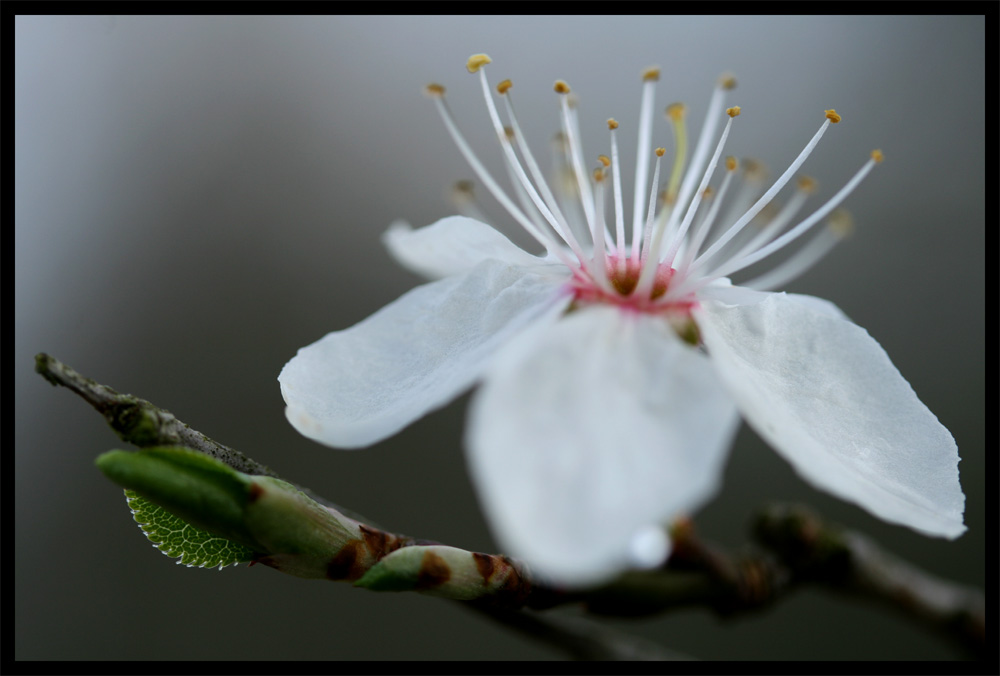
449 572
285 529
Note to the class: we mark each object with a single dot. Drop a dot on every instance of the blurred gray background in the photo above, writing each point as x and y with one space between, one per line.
198 197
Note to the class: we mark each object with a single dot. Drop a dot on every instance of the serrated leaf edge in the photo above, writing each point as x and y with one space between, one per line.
159 545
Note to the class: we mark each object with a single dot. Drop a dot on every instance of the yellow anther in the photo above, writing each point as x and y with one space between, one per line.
754 169
561 87
651 73
660 151
675 111
807 184
509 133
841 223
832 115
604 160
612 123
707 193
504 86
877 156
462 191
598 174
570 186
766 215
731 163
727 81
477 61
733 112
434 89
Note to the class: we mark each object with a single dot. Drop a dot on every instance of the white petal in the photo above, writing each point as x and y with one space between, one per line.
588 431
357 386
741 295
727 294
826 396
452 246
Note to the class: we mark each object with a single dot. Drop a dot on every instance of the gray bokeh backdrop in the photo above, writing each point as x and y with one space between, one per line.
197 197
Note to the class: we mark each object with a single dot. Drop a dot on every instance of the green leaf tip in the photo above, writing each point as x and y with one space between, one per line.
200 490
178 539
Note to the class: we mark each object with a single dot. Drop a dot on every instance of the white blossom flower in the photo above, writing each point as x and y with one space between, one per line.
613 371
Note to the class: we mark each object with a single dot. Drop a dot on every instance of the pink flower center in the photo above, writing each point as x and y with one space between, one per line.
624 279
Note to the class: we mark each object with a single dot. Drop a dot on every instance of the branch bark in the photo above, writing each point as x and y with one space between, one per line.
815 551
144 424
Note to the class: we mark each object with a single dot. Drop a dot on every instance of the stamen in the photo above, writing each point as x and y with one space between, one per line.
565 187
753 175
529 209
838 227
599 227
582 179
550 245
700 233
735 265
477 61
647 275
841 223
689 215
681 221
712 118
463 197
529 159
596 269
522 195
515 165
764 199
648 228
649 78
775 225
667 197
576 156
619 212
675 113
